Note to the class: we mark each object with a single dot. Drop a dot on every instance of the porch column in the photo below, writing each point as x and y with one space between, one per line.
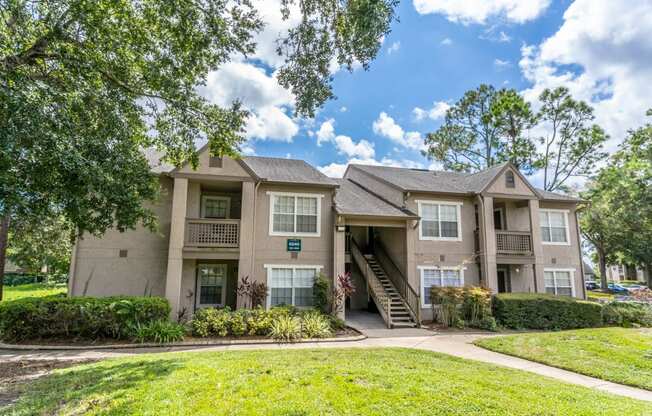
245 262
339 255
411 274
489 263
175 251
537 247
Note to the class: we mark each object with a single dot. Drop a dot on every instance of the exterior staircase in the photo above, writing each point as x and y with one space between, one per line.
399 315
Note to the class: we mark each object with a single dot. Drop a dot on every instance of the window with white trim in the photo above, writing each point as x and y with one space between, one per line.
291 285
294 214
438 276
554 226
216 206
559 282
440 221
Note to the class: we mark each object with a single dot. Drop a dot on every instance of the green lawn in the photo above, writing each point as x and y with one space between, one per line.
616 354
32 290
309 382
599 295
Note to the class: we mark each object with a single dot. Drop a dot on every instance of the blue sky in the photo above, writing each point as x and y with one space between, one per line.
438 50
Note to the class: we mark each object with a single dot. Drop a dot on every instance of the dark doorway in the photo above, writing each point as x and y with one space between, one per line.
498 219
504 285
370 239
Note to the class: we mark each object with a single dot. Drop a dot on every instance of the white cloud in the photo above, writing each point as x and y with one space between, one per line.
343 109
478 11
270 13
362 149
385 126
326 131
437 111
446 42
271 123
500 64
336 170
503 37
260 93
602 53
394 47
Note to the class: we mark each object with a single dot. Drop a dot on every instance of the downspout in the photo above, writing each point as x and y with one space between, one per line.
579 249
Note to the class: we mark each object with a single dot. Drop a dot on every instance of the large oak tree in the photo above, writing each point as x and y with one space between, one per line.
86 86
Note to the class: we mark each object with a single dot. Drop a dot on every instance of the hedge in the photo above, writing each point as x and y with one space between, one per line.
543 311
78 317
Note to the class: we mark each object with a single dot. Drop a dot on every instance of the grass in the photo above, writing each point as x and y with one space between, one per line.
620 355
599 295
32 290
383 381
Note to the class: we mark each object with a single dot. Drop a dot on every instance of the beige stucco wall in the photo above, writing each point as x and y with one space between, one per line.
230 167
195 193
499 187
517 218
99 271
268 249
565 256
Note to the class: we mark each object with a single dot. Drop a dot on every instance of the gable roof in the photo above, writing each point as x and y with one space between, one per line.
289 171
423 180
353 199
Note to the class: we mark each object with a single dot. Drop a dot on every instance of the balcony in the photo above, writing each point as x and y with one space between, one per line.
206 232
512 243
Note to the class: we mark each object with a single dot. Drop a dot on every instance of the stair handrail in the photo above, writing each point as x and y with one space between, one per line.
377 291
411 296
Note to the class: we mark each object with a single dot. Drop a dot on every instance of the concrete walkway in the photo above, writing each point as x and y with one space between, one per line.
456 344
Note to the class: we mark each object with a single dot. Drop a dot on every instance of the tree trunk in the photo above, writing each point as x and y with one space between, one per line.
4 233
648 270
603 269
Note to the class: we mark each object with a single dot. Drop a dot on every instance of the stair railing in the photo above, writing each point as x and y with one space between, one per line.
375 288
409 295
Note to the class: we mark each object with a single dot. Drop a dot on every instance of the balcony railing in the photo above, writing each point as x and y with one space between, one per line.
206 232
513 243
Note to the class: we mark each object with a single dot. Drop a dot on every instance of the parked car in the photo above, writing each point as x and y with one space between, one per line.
616 288
632 286
591 285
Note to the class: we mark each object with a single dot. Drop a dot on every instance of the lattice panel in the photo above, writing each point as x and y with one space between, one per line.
513 243
213 234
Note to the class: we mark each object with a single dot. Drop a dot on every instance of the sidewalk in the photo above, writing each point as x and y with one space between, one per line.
458 345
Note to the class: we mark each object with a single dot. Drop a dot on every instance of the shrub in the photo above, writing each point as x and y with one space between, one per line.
78 317
476 306
543 311
321 294
286 328
162 332
315 325
449 300
237 323
627 314
211 322
258 321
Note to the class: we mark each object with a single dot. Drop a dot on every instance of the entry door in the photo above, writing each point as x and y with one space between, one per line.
211 285
503 284
498 219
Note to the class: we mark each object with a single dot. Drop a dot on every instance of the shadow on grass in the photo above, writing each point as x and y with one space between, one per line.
105 388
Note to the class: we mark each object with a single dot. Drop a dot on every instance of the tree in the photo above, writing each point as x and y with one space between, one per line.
618 218
85 87
44 244
572 146
484 128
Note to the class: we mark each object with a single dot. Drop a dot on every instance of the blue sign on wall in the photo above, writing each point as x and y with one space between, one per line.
294 244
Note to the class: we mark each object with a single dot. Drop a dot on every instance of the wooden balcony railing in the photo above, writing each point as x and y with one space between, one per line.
206 232
513 243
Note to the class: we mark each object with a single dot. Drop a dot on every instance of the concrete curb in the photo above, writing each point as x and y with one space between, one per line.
207 343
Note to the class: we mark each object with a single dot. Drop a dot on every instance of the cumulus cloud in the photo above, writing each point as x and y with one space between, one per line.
260 93
437 111
362 149
336 170
601 53
326 131
385 126
275 27
501 64
446 42
479 11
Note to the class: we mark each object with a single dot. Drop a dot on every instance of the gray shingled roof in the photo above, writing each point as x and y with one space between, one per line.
286 171
352 199
423 180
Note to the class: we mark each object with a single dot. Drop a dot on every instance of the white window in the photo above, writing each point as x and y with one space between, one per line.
438 276
211 285
216 206
295 214
554 227
291 285
559 281
440 220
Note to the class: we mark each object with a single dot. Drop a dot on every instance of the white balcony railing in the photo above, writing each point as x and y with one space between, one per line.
206 232
513 242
